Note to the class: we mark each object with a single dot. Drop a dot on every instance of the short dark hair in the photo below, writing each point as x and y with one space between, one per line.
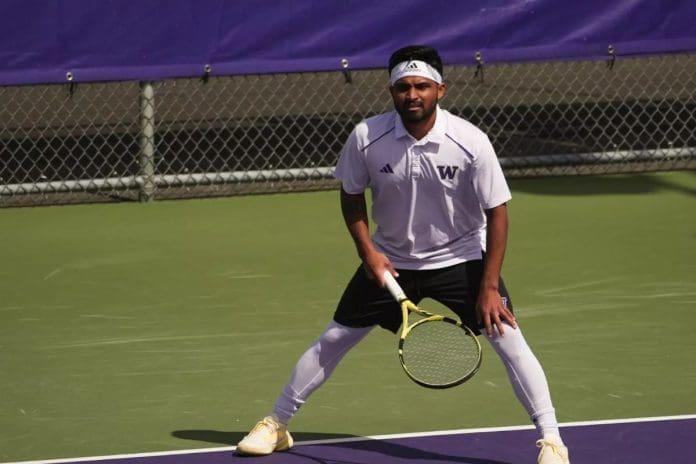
417 52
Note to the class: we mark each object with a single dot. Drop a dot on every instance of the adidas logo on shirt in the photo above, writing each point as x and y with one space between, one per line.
387 169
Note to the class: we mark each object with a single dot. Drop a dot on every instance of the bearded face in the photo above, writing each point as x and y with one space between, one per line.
416 98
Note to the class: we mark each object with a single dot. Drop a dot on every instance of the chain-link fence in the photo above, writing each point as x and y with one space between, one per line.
264 133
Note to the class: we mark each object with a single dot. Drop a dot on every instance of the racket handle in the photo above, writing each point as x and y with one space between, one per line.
394 287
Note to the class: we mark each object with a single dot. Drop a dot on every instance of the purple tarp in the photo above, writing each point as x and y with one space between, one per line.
43 40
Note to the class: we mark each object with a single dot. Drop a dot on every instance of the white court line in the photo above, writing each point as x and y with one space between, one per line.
354 439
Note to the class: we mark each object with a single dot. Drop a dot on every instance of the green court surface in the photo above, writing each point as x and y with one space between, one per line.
128 328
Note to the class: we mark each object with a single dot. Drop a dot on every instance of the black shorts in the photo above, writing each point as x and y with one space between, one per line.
364 303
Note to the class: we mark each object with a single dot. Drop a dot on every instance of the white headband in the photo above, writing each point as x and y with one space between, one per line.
414 68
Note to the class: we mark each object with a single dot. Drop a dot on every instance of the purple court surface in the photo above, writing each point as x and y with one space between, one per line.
639 441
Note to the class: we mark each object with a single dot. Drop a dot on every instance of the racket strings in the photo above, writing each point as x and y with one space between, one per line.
440 353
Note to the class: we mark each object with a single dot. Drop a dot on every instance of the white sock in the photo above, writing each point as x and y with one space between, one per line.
527 378
315 366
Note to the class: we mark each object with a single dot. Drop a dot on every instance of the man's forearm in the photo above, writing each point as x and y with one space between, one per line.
354 210
496 242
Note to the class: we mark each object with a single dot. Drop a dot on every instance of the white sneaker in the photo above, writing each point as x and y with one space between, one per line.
552 450
267 436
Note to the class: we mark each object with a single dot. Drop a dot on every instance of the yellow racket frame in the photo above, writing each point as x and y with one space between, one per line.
408 307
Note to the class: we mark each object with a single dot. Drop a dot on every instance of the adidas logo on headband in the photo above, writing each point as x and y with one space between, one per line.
414 68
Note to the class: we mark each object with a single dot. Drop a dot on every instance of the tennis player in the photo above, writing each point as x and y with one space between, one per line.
439 203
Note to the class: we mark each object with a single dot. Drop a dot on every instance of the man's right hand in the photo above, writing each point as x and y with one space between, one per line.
375 263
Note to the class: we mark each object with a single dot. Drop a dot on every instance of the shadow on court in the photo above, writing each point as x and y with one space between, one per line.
392 450
362 449
346 445
607 185
232 438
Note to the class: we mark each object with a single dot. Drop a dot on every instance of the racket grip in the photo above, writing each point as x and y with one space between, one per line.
394 287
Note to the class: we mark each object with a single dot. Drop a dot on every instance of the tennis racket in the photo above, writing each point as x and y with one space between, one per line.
435 351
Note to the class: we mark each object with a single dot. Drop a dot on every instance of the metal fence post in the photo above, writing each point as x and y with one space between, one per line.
264 133
147 142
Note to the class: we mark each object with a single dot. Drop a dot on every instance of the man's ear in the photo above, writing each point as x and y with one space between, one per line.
441 90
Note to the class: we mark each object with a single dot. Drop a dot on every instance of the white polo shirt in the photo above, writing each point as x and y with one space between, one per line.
428 195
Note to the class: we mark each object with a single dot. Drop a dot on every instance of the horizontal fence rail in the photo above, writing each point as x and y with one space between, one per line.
185 138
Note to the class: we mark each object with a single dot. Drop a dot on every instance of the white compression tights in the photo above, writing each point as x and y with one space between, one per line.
318 362
315 366
527 378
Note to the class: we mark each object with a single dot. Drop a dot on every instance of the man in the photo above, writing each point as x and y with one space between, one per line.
439 204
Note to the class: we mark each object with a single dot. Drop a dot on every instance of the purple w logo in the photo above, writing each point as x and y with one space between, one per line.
447 172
